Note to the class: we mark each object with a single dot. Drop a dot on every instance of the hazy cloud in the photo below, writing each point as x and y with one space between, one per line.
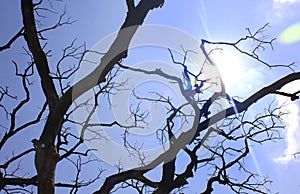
283 9
292 132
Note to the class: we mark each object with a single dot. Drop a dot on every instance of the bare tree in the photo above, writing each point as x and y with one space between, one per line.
230 128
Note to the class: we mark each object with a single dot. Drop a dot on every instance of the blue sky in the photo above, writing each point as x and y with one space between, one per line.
213 20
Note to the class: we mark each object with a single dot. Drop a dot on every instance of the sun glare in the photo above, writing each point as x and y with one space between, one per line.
230 67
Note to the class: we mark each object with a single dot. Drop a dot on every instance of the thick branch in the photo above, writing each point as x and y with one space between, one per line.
117 51
17 181
242 106
113 180
39 56
130 5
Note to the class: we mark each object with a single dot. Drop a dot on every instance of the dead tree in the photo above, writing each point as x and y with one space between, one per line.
56 141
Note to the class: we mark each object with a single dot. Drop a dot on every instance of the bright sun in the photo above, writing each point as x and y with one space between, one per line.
231 69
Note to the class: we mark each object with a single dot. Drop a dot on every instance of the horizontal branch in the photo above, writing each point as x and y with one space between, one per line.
23 182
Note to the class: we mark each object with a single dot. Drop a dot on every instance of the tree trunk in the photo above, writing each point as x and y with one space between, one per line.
46 158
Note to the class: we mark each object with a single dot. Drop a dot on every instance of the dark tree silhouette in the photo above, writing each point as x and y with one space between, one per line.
60 143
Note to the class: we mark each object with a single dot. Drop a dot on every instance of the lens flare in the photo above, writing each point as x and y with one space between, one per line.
290 34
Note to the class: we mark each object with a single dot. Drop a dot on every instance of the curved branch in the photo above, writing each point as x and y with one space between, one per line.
113 180
39 55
